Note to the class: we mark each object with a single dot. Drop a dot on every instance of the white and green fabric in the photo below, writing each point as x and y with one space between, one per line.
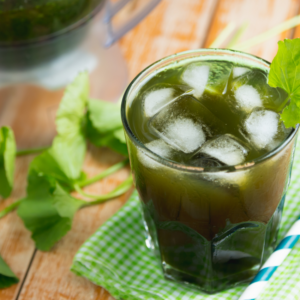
116 258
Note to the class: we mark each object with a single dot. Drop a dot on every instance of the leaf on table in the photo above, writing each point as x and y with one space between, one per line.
64 159
111 139
104 126
105 116
48 210
285 73
7 161
7 277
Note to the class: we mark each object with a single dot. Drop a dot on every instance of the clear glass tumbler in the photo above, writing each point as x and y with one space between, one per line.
213 228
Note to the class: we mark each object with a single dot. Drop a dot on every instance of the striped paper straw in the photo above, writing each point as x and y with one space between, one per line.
278 256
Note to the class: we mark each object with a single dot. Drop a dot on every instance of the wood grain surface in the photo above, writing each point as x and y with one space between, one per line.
174 26
260 15
30 111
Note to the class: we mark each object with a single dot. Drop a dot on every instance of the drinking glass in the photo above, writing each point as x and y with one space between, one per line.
213 227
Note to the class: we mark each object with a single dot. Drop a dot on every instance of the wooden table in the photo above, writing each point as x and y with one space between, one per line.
174 26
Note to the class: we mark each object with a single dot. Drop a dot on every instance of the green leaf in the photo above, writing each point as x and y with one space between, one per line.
105 116
110 139
119 134
47 164
69 146
7 277
7 161
48 210
291 115
104 126
64 159
285 73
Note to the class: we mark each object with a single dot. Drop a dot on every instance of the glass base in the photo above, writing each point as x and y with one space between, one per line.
231 258
206 284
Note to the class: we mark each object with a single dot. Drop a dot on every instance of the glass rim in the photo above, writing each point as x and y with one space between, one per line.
57 34
184 167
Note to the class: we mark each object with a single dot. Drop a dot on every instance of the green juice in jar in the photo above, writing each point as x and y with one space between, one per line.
211 182
22 20
35 32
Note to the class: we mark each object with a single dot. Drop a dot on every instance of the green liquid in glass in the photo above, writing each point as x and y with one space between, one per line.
215 228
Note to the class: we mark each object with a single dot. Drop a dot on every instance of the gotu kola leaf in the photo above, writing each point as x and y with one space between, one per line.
48 210
104 126
285 73
7 277
64 159
7 160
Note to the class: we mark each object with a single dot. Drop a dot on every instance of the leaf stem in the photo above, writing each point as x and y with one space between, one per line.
81 192
9 208
223 35
103 174
118 191
121 189
31 151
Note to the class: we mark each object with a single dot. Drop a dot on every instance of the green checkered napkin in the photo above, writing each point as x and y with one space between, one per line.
116 258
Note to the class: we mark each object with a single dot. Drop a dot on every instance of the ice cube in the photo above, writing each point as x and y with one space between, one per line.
265 129
226 149
239 71
211 77
154 100
185 124
269 97
218 77
160 148
184 134
247 98
196 76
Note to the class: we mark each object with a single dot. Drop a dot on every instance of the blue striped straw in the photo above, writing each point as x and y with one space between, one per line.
278 256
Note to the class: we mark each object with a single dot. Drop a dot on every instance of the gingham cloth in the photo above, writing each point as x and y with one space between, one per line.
116 258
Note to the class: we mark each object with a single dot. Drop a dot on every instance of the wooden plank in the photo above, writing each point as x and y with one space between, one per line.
16 247
172 27
49 276
261 15
30 111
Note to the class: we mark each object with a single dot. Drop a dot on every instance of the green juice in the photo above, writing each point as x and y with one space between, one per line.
22 20
202 135
33 33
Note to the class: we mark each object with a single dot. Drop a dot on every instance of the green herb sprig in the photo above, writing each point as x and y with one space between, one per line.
48 208
285 73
